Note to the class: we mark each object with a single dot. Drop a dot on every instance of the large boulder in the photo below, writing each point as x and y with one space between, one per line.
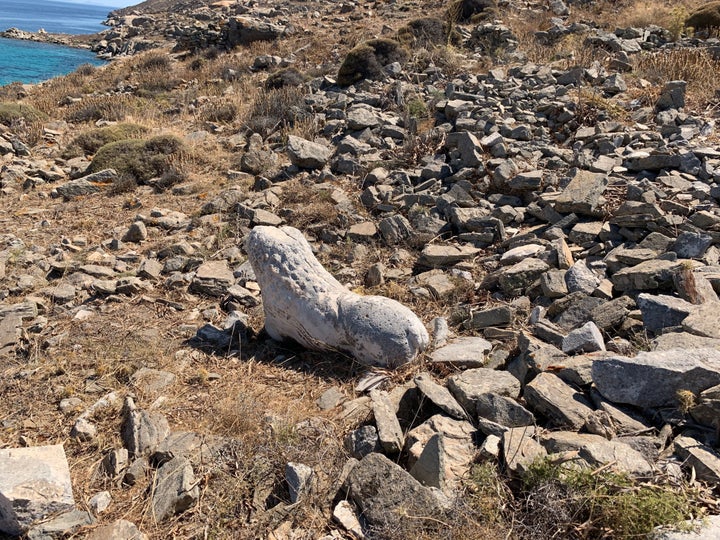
303 302
653 379
706 16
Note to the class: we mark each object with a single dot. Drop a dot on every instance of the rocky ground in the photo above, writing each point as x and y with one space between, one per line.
540 186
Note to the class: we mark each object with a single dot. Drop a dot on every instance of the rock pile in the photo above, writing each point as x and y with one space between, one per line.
583 224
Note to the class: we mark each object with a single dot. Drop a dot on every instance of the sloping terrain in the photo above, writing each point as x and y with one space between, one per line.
538 182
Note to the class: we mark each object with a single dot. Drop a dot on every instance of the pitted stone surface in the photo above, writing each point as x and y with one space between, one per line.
303 302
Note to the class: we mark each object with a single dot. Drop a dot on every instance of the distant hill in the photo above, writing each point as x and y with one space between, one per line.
159 6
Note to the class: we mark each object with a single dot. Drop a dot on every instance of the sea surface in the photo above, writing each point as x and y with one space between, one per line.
30 62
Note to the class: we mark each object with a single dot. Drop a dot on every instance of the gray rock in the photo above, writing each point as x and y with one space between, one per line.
115 462
440 396
704 321
430 469
307 154
151 381
387 496
345 515
521 275
118 530
136 233
497 316
302 301
175 490
142 431
700 457
648 275
661 311
331 398
193 446
34 484
388 426
583 195
100 502
213 278
438 256
469 385
520 253
503 410
652 379
672 96
299 479
692 245
361 117
464 352
61 525
468 146
520 449
137 471
76 188
83 429
548 395
457 446
553 284
362 441
597 451
579 278
683 340
587 338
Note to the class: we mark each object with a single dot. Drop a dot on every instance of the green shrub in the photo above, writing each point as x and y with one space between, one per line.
91 141
557 498
284 77
12 112
139 160
366 61
426 32
472 10
706 16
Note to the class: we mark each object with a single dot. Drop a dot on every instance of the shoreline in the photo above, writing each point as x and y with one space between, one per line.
76 41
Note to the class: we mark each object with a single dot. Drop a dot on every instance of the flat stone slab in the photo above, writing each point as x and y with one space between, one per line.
704 321
702 458
34 484
597 451
548 395
583 195
388 426
466 352
440 396
652 379
648 275
468 385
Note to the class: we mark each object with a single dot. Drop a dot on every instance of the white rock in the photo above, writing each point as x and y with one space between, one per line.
34 484
302 301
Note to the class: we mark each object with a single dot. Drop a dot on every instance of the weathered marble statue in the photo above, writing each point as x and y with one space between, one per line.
304 302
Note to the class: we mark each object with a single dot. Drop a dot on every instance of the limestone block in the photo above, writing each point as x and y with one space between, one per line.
34 484
303 302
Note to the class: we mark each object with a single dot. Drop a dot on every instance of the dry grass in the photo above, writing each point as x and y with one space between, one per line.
695 66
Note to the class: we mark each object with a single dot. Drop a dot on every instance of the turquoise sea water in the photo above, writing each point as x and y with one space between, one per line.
30 62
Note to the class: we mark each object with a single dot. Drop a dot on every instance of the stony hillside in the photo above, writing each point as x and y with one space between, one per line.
492 231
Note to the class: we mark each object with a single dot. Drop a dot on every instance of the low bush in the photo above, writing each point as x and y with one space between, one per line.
92 140
139 160
112 107
608 504
366 61
12 112
284 77
427 32
472 10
